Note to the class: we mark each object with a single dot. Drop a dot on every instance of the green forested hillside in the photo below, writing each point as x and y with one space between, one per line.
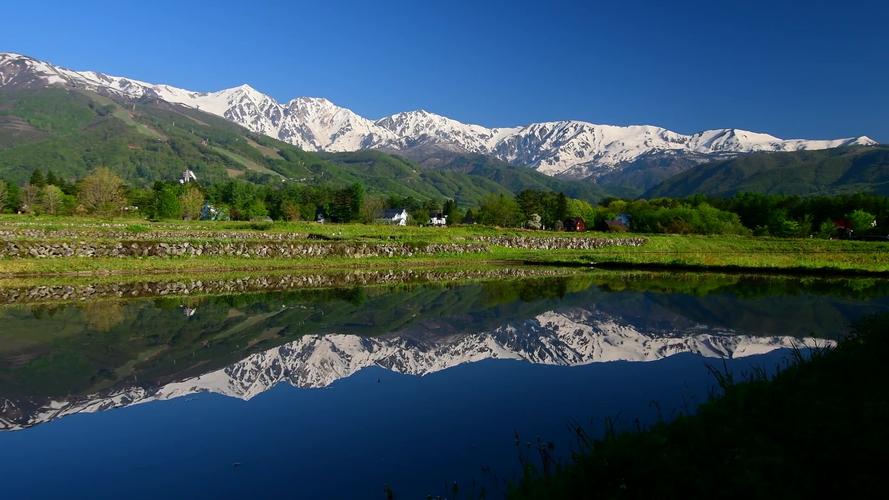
71 132
831 171
517 179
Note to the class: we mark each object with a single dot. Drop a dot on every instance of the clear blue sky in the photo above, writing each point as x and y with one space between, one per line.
794 69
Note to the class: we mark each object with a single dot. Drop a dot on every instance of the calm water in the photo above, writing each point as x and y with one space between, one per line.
338 393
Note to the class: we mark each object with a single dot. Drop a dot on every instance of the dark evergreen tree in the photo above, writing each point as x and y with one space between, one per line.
346 203
561 207
449 209
37 179
52 180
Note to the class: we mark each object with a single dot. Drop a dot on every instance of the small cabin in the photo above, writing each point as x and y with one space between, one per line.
575 224
438 220
394 217
320 216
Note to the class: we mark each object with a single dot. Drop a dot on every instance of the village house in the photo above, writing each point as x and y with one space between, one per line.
394 217
575 224
438 220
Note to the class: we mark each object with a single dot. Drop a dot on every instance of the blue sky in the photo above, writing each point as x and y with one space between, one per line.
794 69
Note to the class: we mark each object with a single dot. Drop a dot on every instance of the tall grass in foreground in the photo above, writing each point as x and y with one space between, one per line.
817 428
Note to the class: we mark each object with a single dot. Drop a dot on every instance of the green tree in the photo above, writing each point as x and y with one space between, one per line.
191 201
244 200
53 180
255 209
356 200
532 202
13 197
450 210
347 202
499 210
166 202
51 199
372 208
861 220
562 207
469 217
826 229
290 210
102 193
37 179
4 196
582 209
30 199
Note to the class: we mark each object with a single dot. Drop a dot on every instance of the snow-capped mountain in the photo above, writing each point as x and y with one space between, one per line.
567 338
566 148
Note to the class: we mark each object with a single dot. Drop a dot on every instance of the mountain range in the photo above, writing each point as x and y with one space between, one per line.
570 337
71 131
569 149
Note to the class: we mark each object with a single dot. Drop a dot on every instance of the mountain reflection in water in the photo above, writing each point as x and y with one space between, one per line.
569 338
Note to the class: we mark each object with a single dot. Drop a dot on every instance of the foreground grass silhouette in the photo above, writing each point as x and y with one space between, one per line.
817 429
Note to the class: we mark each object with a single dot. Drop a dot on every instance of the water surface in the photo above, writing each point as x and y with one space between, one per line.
337 393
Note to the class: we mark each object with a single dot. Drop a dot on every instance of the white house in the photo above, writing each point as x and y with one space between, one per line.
394 216
438 220
188 176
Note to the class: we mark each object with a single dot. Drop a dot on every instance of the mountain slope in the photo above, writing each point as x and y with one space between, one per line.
394 174
834 171
466 176
573 149
71 131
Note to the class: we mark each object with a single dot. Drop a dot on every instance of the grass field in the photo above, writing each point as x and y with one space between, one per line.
671 251
747 253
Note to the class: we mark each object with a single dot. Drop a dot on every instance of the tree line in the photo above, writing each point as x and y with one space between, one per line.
743 214
103 193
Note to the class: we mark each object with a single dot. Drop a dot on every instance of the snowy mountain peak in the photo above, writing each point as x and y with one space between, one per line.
240 92
334 128
569 148
6 57
320 102
864 141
